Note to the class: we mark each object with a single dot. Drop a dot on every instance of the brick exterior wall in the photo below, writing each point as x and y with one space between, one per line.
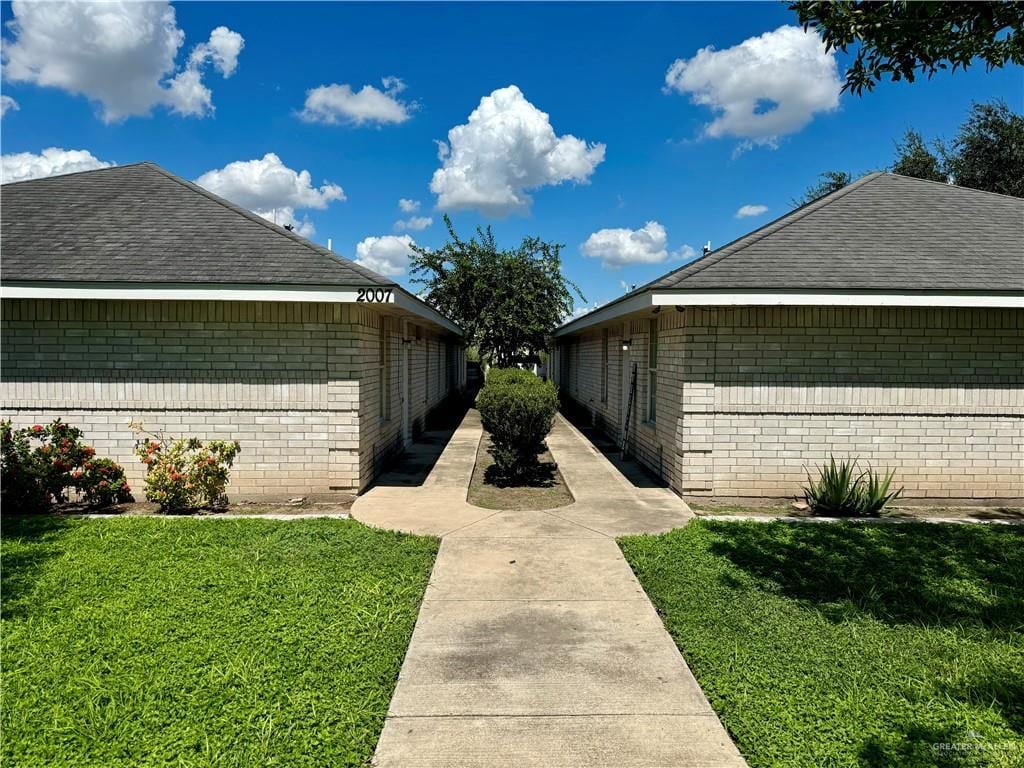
432 376
749 397
297 384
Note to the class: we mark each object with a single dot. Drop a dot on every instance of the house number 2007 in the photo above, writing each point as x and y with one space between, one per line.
374 295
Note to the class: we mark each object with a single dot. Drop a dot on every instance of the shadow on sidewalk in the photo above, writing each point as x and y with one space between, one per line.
412 466
636 473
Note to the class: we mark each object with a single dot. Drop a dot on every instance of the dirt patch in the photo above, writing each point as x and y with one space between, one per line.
774 508
146 508
544 490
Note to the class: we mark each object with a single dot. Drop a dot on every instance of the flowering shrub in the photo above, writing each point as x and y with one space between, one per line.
186 473
102 482
40 464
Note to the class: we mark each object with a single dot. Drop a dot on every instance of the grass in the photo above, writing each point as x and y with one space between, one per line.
200 642
544 489
848 644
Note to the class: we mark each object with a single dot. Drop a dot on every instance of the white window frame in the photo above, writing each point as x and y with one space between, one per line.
652 371
383 367
604 365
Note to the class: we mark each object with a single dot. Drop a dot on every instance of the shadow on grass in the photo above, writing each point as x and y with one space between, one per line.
921 574
544 475
928 747
26 544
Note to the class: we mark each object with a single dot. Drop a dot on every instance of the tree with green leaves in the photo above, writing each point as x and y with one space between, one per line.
913 158
507 301
988 151
902 39
827 182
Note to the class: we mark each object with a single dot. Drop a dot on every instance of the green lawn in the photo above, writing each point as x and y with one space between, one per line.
850 644
186 642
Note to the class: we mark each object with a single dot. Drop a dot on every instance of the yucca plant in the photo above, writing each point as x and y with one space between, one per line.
835 493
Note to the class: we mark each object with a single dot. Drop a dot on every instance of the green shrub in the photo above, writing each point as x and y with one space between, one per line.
840 492
186 473
499 376
102 482
517 409
41 464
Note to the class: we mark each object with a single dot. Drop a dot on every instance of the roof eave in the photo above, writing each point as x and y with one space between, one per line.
651 299
389 296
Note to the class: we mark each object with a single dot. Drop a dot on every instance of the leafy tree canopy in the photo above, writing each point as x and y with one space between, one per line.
987 154
827 182
988 151
904 39
913 158
507 301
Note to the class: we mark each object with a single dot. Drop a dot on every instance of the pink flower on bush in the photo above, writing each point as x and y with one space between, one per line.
37 428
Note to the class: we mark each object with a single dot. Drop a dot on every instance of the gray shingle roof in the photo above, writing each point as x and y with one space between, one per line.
139 223
883 232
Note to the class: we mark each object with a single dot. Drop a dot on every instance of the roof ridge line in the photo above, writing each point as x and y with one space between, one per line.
256 218
948 184
783 221
77 173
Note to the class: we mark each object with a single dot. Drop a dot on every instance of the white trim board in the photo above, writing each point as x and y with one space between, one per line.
712 298
342 294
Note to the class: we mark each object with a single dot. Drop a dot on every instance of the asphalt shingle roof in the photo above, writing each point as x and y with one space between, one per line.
883 232
139 223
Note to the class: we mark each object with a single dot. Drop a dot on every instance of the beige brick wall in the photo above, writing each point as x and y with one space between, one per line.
431 379
749 397
290 381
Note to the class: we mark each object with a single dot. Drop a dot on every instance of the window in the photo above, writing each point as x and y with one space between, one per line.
440 369
383 353
604 366
652 370
426 371
574 366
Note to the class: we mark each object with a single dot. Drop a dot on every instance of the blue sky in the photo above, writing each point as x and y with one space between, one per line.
598 71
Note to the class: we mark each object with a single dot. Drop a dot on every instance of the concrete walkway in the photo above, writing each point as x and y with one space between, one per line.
535 644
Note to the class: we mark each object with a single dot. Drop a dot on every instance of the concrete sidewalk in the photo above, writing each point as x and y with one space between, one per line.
535 644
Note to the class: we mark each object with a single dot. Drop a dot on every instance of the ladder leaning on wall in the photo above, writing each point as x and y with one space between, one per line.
624 442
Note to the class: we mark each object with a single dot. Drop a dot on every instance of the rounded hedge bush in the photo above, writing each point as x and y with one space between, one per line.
498 376
517 409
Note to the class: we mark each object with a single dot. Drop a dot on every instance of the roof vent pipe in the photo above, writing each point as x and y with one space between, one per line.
707 248
329 244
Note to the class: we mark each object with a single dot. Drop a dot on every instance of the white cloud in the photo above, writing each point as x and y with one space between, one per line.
386 255
507 148
684 252
271 189
747 211
618 247
408 206
21 166
336 103
186 93
7 104
119 54
414 223
763 88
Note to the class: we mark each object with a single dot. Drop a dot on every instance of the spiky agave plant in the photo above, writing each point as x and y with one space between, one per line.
836 492
874 492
